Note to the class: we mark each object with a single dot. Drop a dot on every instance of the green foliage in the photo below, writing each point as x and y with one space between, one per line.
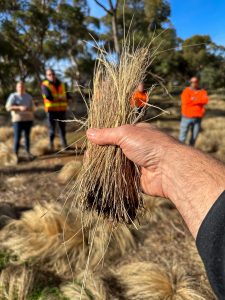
48 293
4 259
35 34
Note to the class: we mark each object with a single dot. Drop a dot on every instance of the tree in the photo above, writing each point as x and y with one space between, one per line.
37 32
196 51
112 13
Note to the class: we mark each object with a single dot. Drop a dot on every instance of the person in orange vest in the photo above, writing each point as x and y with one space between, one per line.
56 102
139 98
193 100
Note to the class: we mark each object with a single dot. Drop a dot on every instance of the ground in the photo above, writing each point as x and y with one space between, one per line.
162 239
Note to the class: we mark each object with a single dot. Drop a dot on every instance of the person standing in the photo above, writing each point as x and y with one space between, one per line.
21 106
193 100
139 98
56 102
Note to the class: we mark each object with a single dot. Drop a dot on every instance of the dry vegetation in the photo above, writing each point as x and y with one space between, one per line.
108 182
44 253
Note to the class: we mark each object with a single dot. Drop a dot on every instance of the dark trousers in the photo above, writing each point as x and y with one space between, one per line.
52 123
19 128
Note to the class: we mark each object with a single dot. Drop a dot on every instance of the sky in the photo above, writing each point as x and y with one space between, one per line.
191 17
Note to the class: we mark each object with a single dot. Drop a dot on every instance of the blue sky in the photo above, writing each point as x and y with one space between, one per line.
191 17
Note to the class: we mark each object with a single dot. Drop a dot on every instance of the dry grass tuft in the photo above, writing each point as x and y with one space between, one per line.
94 288
154 209
41 147
38 131
108 242
148 281
7 157
109 183
46 235
15 283
6 133
69 171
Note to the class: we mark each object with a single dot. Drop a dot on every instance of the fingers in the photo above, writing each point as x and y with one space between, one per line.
107 136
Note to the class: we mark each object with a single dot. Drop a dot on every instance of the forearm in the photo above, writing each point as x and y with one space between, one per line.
14 108
193 181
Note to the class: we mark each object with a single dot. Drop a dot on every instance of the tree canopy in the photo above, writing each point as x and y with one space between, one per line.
38 33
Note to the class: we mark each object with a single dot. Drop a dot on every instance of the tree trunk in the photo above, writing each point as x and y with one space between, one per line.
115 33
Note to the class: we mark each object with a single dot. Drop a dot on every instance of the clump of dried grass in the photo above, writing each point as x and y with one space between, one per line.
38 131
46 235
154 209
144 280
69 171
109 183
108 242
94 288
56 239
6 133
15 283
7 157
41 147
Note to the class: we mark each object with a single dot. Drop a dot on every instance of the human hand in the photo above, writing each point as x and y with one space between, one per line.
144 145
23 108
191 179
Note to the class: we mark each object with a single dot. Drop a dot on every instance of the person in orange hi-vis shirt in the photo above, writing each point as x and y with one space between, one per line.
139 98
193 100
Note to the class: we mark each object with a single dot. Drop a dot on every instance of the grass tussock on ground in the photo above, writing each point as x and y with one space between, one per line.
16 283
69 171
47 236
94 288
7 157
144 280
38 131
6 133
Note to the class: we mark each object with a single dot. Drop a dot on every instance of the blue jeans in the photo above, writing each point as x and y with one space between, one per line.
19 128
52 117
189 123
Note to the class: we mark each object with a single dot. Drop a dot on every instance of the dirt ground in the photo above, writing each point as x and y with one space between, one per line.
164 239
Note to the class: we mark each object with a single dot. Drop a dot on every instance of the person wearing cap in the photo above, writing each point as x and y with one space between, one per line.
193 101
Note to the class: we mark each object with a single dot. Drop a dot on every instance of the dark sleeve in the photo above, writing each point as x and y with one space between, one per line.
211 246
45 91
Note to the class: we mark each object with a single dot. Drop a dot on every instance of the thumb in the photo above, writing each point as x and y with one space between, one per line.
105 136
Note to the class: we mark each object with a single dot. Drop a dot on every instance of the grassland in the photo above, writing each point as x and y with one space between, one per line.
158 260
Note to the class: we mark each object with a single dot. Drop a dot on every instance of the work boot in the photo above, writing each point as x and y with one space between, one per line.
29 156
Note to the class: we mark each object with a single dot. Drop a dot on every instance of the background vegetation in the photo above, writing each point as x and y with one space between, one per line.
37 33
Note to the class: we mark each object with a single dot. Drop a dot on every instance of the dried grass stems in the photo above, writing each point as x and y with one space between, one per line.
54 237
7 157
47 236
148 281
15 284
94 288
109 183
69 171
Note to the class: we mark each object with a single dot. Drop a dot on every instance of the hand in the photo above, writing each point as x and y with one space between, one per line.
23 108
144 145
191 179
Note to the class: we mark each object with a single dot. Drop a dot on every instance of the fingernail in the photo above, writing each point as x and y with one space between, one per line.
92 132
